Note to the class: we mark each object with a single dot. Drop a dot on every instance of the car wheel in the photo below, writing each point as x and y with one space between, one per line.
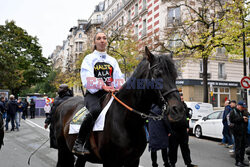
198 132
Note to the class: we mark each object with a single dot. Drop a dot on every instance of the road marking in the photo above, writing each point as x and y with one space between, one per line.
35 125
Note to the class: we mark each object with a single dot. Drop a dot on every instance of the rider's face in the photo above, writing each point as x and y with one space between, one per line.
101 42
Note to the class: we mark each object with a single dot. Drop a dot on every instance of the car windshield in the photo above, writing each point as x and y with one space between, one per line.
214 115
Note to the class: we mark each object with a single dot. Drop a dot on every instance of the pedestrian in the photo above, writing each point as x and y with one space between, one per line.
25 109
11 113
239 122
19 112
104 71
47 109
32 108
2 106
227 136
64 93
159 132
180 137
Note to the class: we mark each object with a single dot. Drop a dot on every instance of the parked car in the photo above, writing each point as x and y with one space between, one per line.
210 125
199 110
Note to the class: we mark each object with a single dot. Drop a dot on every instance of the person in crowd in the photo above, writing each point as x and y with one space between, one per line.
180 137
159 132
227 136
19 112
11 113
239 121
25 109
104 72
32 108
232 104
63 94
47 109
2 106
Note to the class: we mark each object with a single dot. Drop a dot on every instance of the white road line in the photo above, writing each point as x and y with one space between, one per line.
34 124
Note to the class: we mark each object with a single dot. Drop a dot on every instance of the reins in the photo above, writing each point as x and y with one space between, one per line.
158 117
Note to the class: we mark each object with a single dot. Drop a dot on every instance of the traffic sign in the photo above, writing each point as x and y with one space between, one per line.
245 82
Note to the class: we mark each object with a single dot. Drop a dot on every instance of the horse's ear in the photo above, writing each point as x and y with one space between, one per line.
149 56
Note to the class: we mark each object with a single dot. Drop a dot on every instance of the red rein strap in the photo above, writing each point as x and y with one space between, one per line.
126 106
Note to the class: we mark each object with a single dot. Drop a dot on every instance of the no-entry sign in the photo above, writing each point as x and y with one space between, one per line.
245 82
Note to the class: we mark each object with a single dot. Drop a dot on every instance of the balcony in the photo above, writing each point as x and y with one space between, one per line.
144 10
113 15
94 22
222 76
208 75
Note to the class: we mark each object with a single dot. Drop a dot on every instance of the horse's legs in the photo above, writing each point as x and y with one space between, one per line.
65 156
80 162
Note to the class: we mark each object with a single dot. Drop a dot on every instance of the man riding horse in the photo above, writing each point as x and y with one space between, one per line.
99 74
63 94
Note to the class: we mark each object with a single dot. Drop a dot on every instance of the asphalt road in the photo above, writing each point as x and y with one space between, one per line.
19 146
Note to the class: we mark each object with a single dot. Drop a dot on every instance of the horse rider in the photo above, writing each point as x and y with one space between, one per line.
100 74
63 94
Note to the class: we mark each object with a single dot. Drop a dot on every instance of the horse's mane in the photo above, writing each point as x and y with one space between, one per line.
165 62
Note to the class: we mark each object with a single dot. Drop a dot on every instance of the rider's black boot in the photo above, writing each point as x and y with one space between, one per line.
80 146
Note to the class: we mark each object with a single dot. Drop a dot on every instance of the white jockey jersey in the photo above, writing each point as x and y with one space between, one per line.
99 68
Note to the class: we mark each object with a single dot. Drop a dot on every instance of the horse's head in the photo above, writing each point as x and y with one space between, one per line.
162 70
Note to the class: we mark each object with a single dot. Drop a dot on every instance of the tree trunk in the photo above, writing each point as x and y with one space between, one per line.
205 86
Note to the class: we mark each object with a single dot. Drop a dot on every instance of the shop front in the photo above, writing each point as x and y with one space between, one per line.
219 91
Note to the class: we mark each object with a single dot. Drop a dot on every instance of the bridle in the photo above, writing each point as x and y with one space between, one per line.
164 102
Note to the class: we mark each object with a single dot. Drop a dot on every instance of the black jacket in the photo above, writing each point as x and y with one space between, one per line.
239 127
58 100
12 107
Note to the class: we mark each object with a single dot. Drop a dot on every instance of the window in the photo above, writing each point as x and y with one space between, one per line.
136 9
136 30
80 46
221 70
201 67
122 20
81 26
144 4
214 115
174 16
129 15
178 66
144 27
98 18
118 7
80 35
175 41
76 46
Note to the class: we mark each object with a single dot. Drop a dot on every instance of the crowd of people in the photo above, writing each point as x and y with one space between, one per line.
235 129
14 110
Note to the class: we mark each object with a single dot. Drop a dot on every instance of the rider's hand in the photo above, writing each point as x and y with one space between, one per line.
46 126
109 89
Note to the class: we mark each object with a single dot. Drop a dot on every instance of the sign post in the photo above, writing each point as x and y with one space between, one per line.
245 83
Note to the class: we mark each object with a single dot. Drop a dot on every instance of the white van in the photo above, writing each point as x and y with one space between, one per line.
199 110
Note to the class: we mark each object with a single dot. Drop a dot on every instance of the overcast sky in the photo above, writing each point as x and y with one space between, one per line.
49 20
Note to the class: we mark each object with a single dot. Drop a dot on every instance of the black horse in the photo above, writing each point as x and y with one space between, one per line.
1 130
123 140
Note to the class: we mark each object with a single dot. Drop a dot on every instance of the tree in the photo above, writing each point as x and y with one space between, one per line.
194 33
22 64
124 47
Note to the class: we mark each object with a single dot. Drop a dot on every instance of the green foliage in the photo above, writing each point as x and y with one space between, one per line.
46 87
124 48
22 64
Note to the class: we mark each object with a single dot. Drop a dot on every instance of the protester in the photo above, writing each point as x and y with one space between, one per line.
25 109
2 106
47 109
180 137
227 136
63 94
239 121
11 113
19 112
32 108
159 131
104 71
